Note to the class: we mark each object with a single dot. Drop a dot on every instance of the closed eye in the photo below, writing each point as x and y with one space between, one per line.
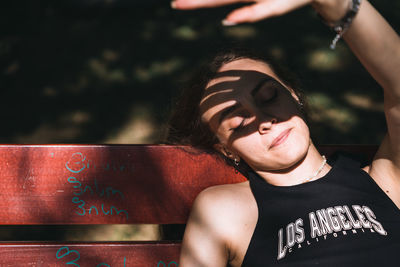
267 93
239 127
269 98
240 121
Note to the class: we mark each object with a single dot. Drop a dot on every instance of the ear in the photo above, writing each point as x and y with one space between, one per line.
224 151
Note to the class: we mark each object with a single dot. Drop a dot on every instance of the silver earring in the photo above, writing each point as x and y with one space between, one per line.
236 161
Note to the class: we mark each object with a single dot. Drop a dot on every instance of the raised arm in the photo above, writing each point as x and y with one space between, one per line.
203 244
370 37
375 44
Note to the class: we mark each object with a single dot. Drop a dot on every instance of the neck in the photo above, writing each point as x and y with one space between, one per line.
299 172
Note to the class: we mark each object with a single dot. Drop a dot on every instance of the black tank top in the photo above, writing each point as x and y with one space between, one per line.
342 219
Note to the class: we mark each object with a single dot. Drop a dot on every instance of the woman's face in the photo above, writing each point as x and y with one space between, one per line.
255 117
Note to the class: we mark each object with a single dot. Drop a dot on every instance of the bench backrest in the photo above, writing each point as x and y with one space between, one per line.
106 184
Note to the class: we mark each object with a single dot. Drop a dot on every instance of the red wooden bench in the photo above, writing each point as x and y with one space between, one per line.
106 184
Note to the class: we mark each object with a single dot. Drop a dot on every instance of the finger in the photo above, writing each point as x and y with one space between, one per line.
194 4
263 10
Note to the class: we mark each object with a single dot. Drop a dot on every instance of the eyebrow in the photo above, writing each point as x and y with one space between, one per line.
253 92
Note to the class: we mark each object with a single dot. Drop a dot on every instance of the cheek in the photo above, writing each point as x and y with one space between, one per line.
251 147
299 142
301 136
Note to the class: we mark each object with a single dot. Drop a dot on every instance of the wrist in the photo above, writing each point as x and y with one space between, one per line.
341 25
332 11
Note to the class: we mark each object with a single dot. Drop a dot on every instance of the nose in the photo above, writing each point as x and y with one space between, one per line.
266 125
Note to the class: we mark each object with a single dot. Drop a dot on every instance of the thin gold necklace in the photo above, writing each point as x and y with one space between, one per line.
309 179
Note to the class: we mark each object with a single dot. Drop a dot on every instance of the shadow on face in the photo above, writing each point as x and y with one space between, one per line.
252 96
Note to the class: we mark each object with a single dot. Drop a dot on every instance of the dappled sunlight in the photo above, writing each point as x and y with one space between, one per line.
105 69
76 117
139 129
326 60
156 69
277 52
49 133
110 55
106 57
106 72
100 69
186 33
324 109
363 101
68 127
241 32
124 232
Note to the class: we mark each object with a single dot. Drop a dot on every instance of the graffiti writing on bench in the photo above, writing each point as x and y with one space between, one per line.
75 256
76 165
162 264
108 192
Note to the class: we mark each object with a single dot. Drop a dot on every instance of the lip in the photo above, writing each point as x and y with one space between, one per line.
280 138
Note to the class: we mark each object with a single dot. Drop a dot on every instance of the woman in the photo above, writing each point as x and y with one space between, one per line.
295 210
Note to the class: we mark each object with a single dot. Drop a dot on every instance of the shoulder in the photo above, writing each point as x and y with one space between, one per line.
226 191
385 171
224 207
223 197
214 224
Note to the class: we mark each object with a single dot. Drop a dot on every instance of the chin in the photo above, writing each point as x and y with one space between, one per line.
290 156
282 157
283 161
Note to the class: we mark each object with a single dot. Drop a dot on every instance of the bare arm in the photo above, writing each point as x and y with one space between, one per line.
370 37
204 244
375 44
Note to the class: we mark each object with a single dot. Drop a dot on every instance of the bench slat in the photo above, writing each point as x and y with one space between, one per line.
94 184
89 254
109 184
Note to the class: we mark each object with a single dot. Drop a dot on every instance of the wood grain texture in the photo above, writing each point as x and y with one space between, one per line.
94 184
90 254
114 184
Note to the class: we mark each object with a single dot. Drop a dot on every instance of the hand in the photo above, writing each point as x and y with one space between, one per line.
331 10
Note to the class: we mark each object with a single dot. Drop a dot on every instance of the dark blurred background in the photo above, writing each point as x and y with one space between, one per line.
106 71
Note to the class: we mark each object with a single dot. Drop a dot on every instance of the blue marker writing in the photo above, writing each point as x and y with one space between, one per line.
75 252
169 264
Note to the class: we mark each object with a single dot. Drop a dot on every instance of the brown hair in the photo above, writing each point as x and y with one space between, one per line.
185 126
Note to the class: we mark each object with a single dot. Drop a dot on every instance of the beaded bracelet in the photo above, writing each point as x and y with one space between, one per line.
341 26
